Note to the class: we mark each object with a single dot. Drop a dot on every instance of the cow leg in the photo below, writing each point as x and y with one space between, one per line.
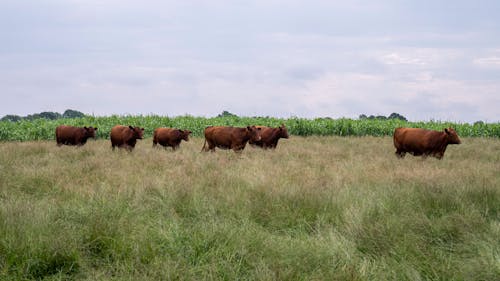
400 154
211 147
238 148
274 144
270 146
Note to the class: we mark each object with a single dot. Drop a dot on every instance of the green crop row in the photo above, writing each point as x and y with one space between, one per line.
42 129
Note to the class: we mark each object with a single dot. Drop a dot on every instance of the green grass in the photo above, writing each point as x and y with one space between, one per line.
317 208
42 129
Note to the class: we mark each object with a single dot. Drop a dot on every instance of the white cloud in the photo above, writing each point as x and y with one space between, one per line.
419 57
395 58
488 62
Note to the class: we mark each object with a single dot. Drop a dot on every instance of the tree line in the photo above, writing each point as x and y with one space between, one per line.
69 113
393 115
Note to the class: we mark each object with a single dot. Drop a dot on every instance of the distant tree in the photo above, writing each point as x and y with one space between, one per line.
226 113
46 114
478 123
395 115
32 116
70 113
12 118
50 115
382 117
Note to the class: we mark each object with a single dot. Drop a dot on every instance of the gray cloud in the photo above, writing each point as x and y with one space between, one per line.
425 60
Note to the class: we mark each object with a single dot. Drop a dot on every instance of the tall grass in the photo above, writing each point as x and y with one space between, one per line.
317 208
42 129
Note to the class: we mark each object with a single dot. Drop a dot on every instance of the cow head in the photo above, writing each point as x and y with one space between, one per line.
452 136
254 133
185 134
283 131
137 132
90 132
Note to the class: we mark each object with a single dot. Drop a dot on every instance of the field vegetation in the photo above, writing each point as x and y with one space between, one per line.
316 208
43 129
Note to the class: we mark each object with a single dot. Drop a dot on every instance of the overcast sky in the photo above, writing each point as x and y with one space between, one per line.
423 59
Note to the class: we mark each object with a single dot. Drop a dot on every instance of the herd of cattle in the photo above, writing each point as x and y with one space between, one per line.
416 141
215 136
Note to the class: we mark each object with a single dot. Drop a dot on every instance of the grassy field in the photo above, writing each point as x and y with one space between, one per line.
317 208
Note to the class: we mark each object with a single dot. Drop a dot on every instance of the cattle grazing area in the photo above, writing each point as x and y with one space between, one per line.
314 208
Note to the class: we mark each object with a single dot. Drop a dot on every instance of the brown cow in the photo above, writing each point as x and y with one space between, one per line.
270 136
125 137
229 137
70 135
423 142
170 137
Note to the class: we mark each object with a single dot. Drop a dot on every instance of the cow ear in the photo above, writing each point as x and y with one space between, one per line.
281 128
130 127
85 128
181 131
248 128
446 131
142 129
95 129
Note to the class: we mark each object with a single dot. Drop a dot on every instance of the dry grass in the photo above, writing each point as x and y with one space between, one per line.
315 208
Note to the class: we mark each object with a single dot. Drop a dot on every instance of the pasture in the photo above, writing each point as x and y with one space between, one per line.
316 208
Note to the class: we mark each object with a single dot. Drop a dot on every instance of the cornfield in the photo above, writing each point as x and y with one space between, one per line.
43 129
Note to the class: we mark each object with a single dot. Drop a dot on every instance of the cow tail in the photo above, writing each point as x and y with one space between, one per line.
204 145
